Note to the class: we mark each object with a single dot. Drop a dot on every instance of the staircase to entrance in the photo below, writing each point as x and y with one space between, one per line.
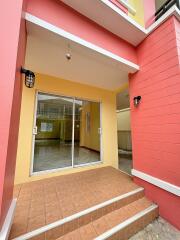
102 203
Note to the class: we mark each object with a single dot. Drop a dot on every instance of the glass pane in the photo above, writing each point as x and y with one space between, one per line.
86 132
53 141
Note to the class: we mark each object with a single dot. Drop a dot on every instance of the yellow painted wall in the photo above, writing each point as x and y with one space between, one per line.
58 86
122 88
139 7
90 139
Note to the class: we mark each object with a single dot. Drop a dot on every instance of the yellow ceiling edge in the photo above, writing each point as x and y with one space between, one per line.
122 88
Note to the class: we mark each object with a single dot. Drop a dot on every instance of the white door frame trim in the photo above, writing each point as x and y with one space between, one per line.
59 31
101 161
157 182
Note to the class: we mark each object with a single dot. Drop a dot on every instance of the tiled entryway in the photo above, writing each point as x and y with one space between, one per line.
45 201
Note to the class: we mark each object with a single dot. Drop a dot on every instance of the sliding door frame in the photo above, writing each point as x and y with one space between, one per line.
31 172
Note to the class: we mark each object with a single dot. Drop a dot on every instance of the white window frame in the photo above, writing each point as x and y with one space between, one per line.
32 173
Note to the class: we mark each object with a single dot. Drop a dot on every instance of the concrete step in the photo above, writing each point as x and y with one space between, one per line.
120 224
76 221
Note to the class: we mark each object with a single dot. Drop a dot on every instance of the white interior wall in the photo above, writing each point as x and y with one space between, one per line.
123 120
124 129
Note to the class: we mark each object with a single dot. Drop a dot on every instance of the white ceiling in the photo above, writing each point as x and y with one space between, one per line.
46 54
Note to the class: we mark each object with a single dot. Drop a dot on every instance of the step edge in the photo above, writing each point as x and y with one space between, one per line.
60 222
127 222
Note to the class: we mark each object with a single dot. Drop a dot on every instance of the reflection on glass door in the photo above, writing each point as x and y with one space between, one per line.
86 132
53 138
66 133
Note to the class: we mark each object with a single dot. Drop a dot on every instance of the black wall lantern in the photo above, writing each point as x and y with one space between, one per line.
29 77
137 100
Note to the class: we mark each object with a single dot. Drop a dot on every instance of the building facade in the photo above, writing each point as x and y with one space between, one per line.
83 53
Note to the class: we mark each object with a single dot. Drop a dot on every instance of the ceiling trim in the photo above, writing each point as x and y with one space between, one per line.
132 67
124 15
172 11
128 6
135 33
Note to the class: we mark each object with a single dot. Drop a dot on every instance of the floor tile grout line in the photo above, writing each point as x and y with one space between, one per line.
76 215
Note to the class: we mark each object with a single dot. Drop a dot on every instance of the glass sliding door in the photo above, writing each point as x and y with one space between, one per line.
53 133
86 132
66 133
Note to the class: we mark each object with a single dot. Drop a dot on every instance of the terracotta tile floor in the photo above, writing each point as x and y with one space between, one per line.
45 201
105 223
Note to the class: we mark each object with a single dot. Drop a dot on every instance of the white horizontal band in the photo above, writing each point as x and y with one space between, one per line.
157 182
126 223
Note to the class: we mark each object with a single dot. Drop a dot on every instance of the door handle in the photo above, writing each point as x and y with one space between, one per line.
99 131
35 130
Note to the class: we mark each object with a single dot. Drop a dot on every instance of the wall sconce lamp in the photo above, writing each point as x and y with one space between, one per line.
29 77
137 100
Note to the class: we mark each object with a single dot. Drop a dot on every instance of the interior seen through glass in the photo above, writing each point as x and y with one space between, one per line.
67 132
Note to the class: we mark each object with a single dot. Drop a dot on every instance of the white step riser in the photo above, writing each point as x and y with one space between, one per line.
126 223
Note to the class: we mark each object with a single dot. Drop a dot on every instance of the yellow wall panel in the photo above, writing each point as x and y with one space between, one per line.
90 139
59 86
139 7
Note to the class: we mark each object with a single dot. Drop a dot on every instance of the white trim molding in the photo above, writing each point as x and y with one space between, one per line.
123 110
115 14
4 234
124 15
128 6
157 182
59 31
172 11
126 223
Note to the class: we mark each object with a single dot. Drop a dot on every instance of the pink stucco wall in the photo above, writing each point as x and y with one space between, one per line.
10 92
58 14
155 123
149 11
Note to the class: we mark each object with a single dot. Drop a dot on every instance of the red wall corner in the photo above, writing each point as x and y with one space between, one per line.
155 122
13 39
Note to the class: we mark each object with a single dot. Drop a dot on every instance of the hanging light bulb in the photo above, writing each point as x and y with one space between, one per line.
68 54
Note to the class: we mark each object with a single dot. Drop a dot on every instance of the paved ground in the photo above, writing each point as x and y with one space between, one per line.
159 229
